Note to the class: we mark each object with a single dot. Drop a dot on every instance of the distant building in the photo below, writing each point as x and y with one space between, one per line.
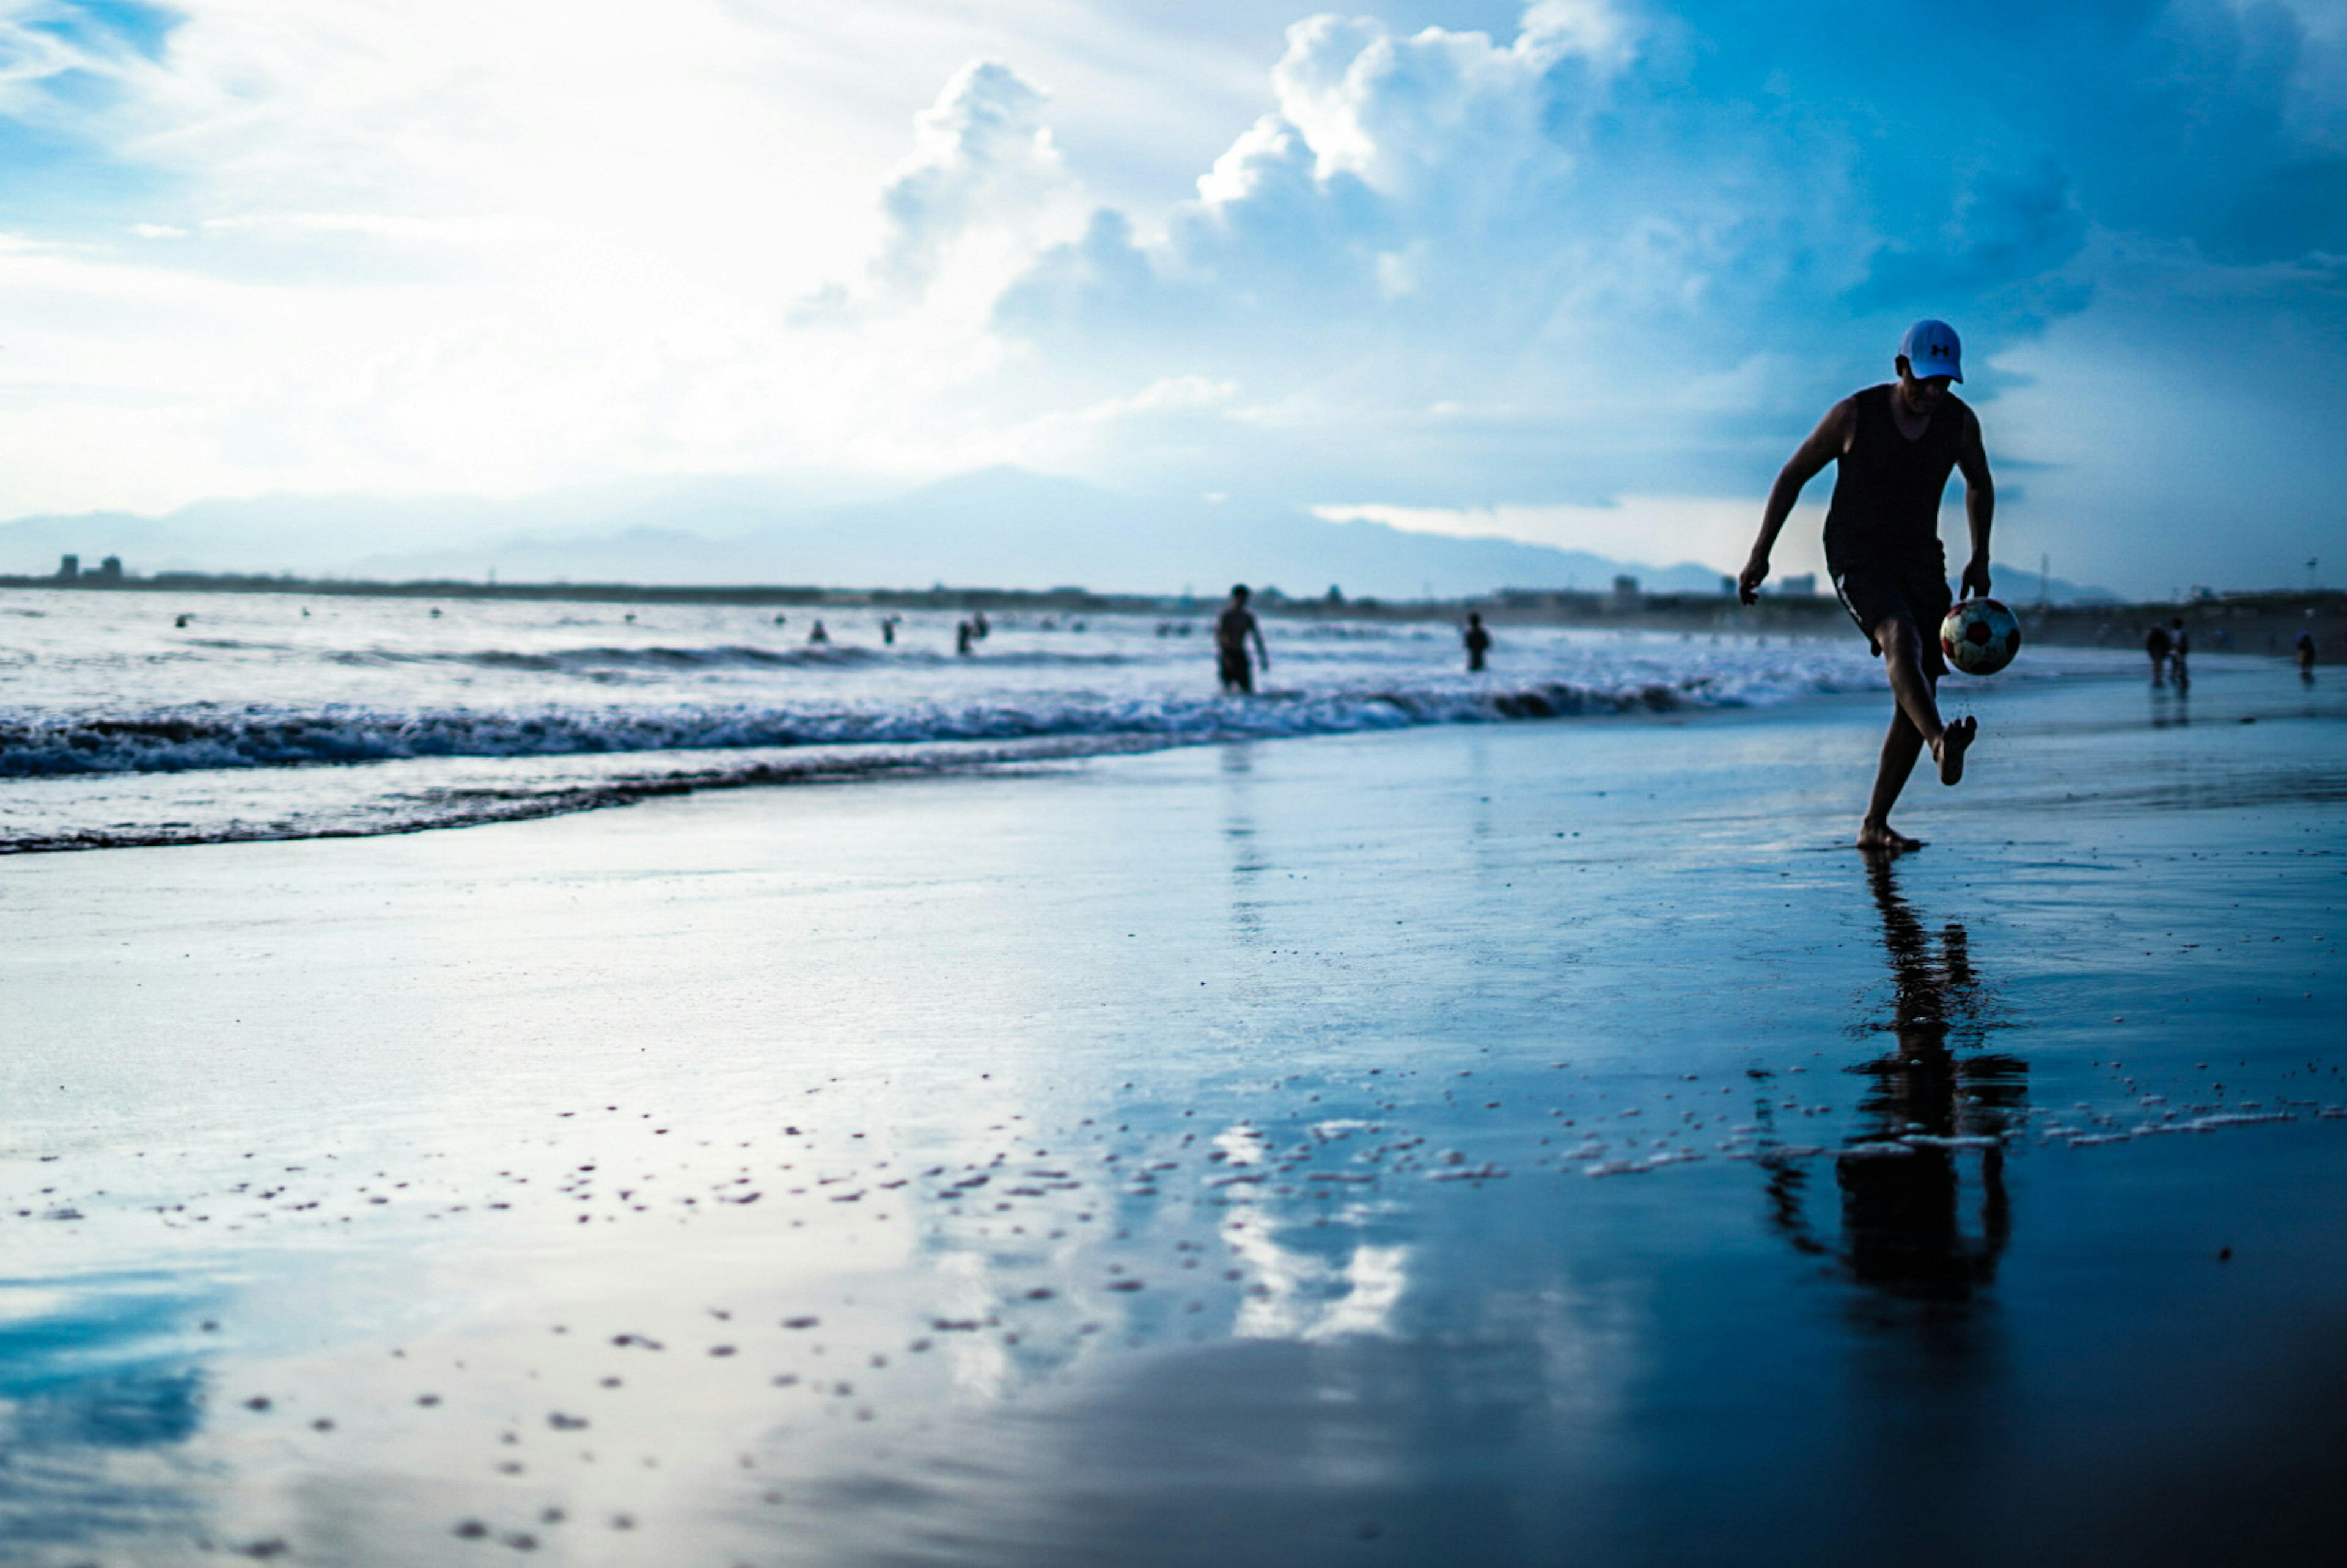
1626 586
110 569
1799 585
1727 587
68 568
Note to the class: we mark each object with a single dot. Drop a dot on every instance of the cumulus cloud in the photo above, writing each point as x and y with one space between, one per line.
1632 252
983 158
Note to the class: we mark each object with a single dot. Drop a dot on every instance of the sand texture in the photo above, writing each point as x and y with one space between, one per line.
1539 1144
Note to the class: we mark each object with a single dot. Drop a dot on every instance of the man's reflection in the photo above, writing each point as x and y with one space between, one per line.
1248 861
1909 1228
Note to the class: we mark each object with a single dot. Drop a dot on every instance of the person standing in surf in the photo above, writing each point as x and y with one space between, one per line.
1478 641
1232 629
1896 444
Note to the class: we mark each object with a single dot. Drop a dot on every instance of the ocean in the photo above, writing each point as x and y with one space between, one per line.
281 716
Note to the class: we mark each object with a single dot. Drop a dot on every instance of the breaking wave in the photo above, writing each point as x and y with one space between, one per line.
206 737
661 660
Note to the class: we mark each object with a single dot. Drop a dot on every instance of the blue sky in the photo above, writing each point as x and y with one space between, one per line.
1580 272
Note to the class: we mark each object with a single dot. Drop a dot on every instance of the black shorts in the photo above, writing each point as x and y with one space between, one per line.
1913 591
1238 675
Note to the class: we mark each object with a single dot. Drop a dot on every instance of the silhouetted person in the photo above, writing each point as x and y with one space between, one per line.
2179 653
978 626
782 621
963 636
1478 640
2156 644
818 634
2306 656
889 629
1232 629
1896 444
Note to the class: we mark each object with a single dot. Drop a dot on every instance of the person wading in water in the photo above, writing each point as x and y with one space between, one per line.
1478 640
1896 444
1232 629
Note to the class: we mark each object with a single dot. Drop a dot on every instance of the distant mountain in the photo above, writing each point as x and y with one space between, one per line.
997 528
2019 586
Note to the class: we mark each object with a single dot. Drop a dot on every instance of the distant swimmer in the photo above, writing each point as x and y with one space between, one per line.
2306 654
1232 629
1478 640
183 621
818 634
1896 444
889 629
2156 645
2179 653
963 636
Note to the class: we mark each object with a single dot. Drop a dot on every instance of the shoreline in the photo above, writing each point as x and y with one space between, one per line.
428 790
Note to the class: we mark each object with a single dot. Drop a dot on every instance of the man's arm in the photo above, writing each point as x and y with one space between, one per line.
1825 443
1980 503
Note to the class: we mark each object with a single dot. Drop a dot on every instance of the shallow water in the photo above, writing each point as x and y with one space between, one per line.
1525 1143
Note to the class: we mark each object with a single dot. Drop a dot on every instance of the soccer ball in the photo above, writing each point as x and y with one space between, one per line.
1979 637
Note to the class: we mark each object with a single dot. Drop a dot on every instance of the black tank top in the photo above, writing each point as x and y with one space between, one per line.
1886 495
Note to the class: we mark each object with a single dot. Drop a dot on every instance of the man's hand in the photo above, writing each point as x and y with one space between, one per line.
1975 578
1748 580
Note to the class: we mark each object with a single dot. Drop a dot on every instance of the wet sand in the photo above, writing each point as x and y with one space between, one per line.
1529 1144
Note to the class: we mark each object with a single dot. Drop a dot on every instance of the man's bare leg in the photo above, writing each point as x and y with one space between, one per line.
1917 698
1900 747
1915 726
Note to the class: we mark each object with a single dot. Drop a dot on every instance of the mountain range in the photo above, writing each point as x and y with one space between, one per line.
996 527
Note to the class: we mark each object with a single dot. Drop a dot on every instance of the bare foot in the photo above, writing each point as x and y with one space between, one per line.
1948 751
1878 839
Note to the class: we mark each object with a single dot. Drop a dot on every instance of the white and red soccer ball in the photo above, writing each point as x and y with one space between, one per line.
1980 636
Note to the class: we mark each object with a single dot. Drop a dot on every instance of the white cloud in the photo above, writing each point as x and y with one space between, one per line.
435 246
983 169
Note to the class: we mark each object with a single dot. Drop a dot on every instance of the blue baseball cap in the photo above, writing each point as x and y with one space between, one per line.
1930 349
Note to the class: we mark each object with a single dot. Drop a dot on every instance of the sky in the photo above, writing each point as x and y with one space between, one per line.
1580 272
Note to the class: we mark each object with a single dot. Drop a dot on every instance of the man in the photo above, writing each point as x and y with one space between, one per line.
1478 640
1896 444
2156 646
1232 629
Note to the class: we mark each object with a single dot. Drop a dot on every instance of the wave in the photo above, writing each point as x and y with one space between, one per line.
378 815
736 656
208 738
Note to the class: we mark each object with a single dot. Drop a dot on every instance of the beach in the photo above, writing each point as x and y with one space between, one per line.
1536 1143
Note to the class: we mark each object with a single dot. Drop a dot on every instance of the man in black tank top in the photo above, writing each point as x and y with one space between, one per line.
1896 444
